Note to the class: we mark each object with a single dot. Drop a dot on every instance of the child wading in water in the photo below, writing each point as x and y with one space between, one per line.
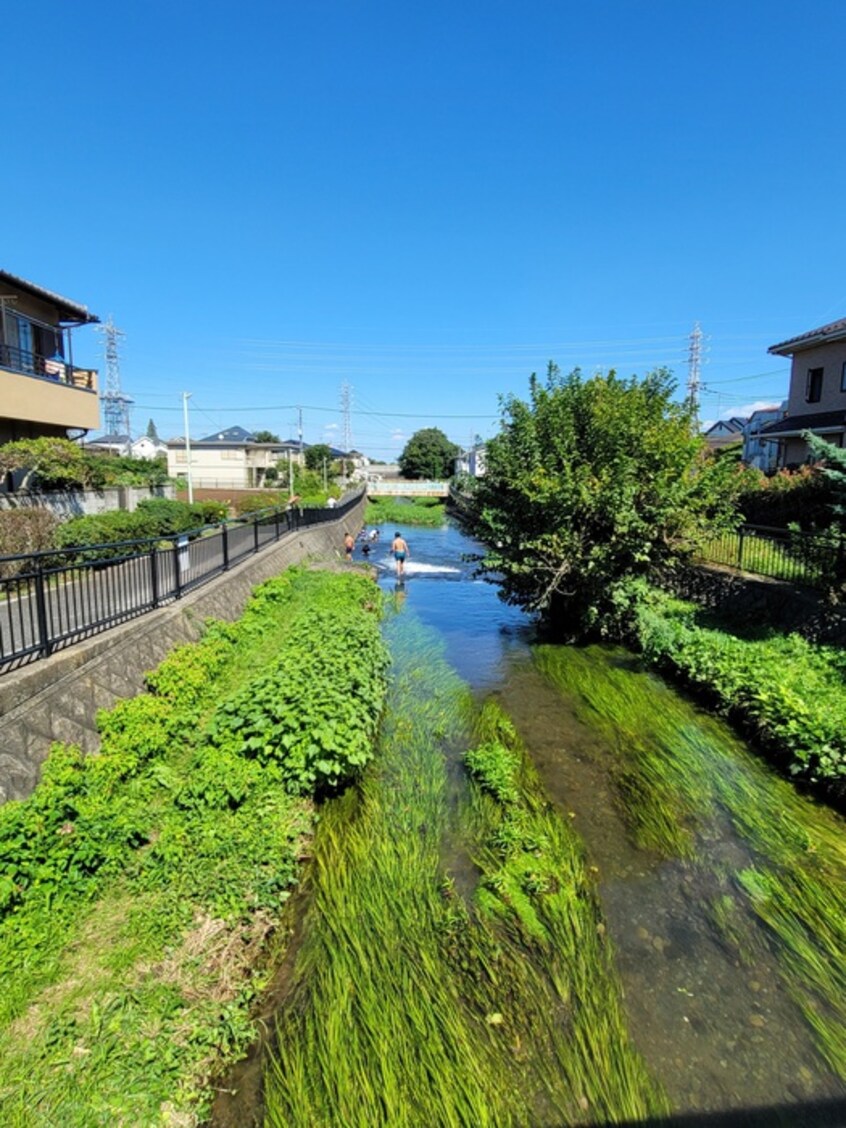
400 550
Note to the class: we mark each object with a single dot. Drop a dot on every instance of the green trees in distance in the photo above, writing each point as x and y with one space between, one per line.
152 433
59 464
428 454
591 485
317 455
265 437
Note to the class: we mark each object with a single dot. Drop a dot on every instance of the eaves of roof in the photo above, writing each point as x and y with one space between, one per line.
823 422
67 310
834 331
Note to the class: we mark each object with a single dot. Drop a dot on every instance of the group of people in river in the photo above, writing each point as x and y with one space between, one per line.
399 547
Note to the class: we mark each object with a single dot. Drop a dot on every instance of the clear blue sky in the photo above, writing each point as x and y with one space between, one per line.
426 200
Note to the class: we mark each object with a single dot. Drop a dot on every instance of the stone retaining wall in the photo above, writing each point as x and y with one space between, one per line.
58 698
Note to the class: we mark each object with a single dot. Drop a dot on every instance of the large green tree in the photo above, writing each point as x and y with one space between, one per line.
590 485
316 455
428 454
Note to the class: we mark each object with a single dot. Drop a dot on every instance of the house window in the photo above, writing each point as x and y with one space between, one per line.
813 388
843 377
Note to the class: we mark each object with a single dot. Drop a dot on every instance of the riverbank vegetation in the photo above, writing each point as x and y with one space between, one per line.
428 512
139 886
591 484
790 694
429 988
782 886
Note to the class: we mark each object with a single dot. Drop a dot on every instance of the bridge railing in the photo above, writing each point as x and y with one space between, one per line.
407 489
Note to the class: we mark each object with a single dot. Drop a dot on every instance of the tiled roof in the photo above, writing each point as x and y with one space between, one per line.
834 331
793 424
68 310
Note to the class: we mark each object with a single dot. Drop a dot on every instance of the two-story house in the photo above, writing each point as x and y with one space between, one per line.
229 459
42 391
817 397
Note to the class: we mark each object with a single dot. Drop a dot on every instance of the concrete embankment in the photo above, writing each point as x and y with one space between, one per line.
58 697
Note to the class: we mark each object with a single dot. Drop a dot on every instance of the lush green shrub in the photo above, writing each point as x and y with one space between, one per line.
23 531
789 691
245 504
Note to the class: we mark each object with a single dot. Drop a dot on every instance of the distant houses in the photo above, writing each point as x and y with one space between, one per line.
755 450
233 459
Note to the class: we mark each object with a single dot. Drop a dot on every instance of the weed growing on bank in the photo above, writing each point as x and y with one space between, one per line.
140 885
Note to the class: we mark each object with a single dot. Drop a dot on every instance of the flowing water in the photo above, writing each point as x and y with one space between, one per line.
719 1023
726 1002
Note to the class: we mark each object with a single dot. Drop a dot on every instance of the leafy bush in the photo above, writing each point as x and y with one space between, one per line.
23 531
790 692
253 502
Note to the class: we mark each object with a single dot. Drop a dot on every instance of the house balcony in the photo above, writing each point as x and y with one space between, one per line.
47 391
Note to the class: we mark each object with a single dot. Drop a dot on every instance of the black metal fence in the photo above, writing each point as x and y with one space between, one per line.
815 560
51 599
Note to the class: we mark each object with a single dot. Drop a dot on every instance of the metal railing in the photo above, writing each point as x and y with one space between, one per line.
815 560
52 599
33 364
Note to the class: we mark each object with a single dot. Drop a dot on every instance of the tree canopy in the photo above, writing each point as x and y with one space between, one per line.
590 485
428 454
265 437
316 455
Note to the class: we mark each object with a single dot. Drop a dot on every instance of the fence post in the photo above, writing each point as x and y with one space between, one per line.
255 533
276 522
177 569
46 648
224 531
740 549
154 575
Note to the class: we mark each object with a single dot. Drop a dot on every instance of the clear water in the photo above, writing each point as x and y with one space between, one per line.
719 1034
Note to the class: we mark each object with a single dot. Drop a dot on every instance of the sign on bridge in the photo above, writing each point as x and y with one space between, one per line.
395 488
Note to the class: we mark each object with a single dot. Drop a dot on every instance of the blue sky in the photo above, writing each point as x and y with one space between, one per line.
427 201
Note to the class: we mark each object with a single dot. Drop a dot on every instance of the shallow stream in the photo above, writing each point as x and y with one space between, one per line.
732 1022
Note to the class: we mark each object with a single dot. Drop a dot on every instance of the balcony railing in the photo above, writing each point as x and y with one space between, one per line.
46 368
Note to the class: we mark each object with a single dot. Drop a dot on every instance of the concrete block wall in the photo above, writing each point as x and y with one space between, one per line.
58 698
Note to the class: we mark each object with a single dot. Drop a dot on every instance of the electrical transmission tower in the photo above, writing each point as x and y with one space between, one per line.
115 403
694 367
346 400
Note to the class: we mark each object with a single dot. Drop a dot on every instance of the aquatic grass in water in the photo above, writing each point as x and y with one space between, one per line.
687 772
535 885
409 1006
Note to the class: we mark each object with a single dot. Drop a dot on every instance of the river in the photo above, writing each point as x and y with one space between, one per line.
683 826
716 1032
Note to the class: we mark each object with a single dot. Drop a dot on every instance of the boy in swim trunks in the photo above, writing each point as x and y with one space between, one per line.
400 550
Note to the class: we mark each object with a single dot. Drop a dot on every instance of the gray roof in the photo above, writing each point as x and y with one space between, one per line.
794 424
834 331
67 310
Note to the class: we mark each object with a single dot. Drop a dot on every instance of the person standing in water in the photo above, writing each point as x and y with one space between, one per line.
400 550
349 545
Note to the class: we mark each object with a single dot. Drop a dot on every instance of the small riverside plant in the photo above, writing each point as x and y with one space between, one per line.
139 886
429 512
414 1003
676 772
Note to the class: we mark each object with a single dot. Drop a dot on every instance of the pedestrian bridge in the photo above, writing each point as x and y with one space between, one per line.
394 488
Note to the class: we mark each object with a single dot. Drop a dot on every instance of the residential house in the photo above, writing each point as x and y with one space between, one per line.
757 451
229 459
42 391
817 398
472 461
725 432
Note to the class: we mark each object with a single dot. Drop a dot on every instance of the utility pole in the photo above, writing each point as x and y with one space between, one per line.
346 396
290 473
300 429
694 363
185 397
